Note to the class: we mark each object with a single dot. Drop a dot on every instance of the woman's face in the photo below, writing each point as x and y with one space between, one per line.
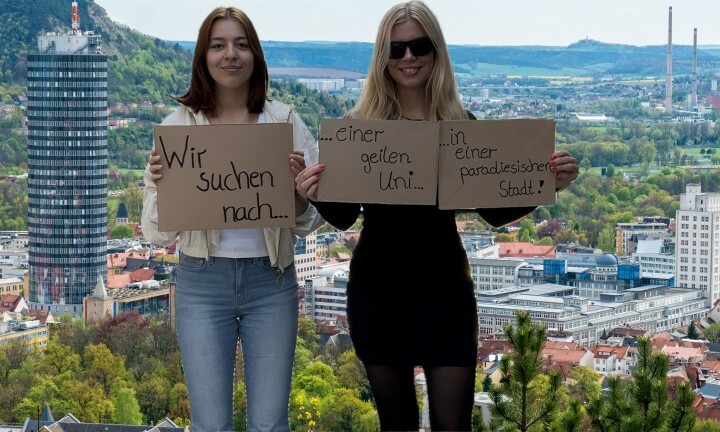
230 60
411 71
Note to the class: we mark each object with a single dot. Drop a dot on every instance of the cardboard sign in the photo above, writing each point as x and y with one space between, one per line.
496 163
225 176
378 161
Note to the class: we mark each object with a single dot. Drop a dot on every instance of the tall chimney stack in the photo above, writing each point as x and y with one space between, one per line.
668 84
693 98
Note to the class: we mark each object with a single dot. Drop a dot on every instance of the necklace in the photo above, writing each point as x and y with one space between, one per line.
414 119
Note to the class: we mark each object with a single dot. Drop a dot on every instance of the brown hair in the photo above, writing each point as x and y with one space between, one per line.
201 94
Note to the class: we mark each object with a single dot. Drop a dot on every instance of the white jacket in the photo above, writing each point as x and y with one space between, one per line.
280 241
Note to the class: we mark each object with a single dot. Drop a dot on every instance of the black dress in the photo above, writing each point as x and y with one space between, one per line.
410 296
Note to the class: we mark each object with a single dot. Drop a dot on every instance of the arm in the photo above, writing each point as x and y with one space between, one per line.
565 167
149 218
307 218
503 216
339 215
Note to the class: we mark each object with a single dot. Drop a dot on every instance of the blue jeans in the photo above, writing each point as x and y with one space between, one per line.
219 300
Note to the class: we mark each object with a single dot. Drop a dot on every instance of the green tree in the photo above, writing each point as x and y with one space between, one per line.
648 156
712 333
44 390
317 379
692 331
240 407
518 400
682 417
86 401
606 240
308 335
529 225
59 358
610 171
122 232
642 404
338 250
585 164
351 375
571 419
342 410
153 396
104 366
583 383
127 409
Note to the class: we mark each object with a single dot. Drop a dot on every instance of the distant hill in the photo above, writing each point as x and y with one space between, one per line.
140 67
585 57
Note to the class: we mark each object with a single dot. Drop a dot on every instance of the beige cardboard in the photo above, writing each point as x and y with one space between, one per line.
496 163
378 161
225 176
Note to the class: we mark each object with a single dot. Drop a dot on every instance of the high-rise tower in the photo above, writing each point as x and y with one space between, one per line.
697 245
67 164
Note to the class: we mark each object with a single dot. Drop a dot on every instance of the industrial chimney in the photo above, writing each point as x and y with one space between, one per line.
668 84
693 98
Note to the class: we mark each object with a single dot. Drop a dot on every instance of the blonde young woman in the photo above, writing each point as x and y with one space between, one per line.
235 284
413 304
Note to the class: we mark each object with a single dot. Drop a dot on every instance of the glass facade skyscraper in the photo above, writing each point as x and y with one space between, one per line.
68 168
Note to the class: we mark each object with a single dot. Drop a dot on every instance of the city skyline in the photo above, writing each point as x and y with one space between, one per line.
513 22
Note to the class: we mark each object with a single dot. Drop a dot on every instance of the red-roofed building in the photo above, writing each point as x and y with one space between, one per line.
118 281
706 408
681 356
44 316
142 274
525 250
13 303
565 356
607 359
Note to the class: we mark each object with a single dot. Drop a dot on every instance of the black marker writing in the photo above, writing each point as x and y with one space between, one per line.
383 156
195 156
252 213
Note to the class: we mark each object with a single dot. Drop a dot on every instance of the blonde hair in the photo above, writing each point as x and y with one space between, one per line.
379 100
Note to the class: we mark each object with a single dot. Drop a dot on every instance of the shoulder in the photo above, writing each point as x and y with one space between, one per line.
470 115
182 116
277 111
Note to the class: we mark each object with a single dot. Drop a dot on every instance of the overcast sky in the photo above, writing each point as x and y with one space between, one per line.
477 22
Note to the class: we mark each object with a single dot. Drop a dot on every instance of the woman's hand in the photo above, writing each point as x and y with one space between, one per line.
155 166
306 181
565 167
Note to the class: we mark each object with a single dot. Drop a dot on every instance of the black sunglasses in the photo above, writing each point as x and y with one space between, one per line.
418 47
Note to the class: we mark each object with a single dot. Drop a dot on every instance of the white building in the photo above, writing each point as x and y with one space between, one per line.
698 242
322 85
306 258
325 300
557 307
625 231
653 261
491 274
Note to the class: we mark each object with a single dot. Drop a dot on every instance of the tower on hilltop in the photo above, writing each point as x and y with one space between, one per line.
67 165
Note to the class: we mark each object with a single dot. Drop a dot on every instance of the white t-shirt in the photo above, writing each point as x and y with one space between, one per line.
244 242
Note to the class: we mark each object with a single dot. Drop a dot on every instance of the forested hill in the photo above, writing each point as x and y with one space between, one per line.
586 57
140 67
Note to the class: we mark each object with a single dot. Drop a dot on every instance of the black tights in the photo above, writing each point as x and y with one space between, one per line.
450 395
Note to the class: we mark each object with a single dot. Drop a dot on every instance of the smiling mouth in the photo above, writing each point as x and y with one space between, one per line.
409 70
